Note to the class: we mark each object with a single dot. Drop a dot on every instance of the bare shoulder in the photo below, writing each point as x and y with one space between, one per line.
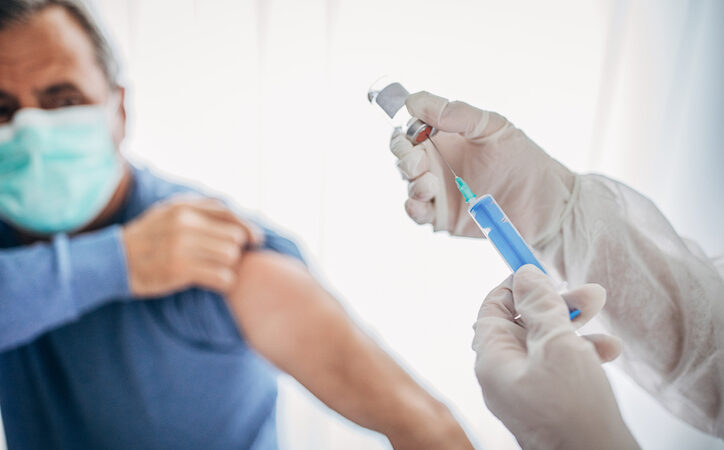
267 281
275 296
269 269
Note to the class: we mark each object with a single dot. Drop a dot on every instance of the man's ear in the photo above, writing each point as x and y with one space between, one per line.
119 118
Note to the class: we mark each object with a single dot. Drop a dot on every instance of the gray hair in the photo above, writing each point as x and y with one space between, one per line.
18 11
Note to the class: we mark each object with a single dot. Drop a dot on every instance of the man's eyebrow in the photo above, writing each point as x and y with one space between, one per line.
60 88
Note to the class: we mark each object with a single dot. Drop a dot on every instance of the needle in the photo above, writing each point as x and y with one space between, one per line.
442 157
462 186
469 197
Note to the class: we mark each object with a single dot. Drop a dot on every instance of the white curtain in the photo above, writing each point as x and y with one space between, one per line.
264 101
659 129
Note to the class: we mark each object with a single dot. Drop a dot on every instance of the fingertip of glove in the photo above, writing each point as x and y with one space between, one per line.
597 290
606 346
416 98
617 344
425 106
588 296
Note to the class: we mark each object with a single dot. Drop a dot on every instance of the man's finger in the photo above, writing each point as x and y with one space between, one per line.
209 206
254 235
240 231
215 208
200 224
208 248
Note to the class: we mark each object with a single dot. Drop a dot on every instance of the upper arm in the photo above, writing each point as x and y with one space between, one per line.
202 318
278 305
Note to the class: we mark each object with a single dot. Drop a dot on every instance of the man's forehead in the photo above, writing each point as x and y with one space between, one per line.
50 44
51 27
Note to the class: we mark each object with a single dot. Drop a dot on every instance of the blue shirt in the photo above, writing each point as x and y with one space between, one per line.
82 365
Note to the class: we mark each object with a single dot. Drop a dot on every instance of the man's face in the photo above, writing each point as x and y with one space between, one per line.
48 63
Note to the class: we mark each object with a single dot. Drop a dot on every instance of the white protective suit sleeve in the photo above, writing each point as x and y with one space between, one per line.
666 298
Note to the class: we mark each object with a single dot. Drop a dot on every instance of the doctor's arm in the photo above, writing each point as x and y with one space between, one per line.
299 327
666 298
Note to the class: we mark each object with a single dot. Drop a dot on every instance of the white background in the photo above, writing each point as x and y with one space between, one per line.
264 101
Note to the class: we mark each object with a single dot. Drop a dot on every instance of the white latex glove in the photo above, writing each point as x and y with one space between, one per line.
541 379
492 156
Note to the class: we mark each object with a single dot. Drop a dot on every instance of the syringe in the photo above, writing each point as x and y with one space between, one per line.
497 228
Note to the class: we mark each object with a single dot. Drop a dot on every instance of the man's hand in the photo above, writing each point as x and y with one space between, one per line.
186 242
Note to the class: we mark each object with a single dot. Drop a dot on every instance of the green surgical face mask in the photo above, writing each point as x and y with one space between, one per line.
58 168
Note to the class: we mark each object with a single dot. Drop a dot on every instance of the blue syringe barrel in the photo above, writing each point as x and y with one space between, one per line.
502 234
505 237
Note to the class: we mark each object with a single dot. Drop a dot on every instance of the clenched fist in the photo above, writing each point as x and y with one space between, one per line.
186 242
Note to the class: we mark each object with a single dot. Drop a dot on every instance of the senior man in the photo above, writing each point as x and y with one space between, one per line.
128 316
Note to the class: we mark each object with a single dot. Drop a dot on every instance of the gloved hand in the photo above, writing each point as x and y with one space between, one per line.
493 157
544 382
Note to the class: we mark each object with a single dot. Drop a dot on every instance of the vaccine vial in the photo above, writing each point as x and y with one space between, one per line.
390 96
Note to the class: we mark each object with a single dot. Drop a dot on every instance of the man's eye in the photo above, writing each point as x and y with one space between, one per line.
6 114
